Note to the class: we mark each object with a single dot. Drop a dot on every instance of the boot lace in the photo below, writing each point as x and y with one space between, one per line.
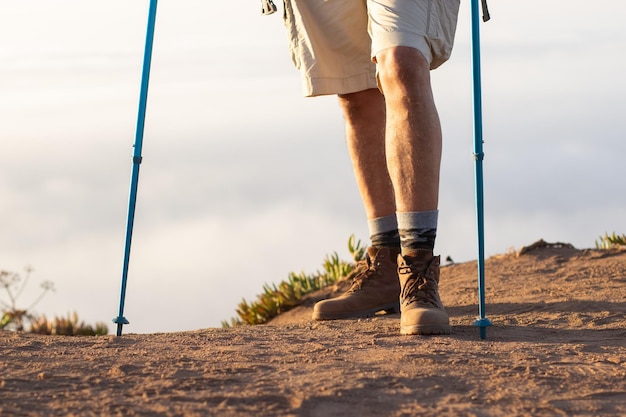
364 271
418 288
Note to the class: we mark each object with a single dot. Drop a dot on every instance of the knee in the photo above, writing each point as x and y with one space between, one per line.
402 67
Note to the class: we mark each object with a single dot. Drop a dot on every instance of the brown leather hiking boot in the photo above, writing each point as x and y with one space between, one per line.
421 309
375 288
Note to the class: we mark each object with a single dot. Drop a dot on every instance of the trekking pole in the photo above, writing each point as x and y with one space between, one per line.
482 322
120 320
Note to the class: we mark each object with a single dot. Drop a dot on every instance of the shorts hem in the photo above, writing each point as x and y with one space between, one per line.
393 39
314 86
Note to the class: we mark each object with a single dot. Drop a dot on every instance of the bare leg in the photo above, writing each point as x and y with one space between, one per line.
414 157
376 287
364 113
413 130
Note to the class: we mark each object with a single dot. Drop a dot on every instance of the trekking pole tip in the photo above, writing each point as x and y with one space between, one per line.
482 324
120 321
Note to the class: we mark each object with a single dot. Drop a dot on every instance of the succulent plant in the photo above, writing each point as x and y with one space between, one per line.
277 299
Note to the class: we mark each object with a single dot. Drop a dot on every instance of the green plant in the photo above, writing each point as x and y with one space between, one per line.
612 241
13 317
277 299
67 326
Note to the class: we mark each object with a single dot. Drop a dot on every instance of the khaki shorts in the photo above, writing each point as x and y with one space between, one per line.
334 42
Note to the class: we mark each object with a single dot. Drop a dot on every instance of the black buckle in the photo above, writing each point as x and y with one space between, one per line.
267 7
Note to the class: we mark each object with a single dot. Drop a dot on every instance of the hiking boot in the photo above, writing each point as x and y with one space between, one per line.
375 288
421 309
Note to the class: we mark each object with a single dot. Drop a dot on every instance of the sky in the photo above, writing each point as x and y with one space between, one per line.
244 181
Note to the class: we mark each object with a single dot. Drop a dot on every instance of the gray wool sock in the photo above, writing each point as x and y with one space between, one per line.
417 229
384 231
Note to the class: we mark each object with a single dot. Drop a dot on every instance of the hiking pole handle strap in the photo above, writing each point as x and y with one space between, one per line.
485 11
267 7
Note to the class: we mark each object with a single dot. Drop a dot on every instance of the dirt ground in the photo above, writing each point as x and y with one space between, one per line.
557 347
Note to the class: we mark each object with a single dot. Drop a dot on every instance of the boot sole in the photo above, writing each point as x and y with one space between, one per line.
389 309
431 330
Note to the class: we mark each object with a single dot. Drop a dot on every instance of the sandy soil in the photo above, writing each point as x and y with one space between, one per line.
557 347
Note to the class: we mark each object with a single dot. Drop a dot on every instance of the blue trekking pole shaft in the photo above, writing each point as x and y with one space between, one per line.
482 321
141 117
